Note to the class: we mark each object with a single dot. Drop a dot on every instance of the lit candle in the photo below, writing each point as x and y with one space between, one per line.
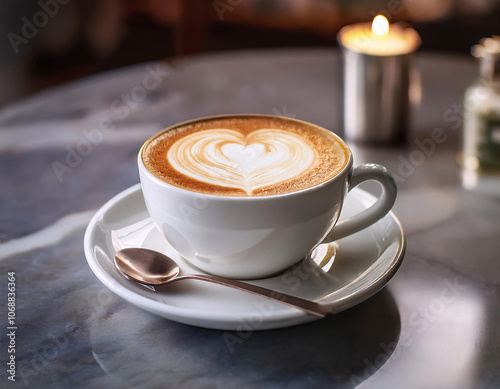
379 38
377 67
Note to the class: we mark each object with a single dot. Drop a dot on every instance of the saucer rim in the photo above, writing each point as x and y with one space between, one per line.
226 320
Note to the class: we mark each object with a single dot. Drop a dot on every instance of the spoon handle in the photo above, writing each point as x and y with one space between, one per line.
296 302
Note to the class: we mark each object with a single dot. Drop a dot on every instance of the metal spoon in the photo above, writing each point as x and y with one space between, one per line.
153 268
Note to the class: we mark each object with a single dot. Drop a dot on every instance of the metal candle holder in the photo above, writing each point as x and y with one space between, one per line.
376 96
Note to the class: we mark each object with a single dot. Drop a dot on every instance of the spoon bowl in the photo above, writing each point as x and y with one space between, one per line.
153 268
146 266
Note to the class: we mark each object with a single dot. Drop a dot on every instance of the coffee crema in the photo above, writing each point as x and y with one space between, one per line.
245 155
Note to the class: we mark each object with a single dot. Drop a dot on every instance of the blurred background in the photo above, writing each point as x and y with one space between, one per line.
48 42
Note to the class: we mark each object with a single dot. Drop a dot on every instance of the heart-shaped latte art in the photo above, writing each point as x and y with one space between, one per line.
227 158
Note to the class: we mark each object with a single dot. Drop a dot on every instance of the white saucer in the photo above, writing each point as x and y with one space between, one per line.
341 275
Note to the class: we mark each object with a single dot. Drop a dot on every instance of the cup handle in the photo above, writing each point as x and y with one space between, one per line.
378 210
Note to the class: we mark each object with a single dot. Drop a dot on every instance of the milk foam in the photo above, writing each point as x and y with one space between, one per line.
245 155
228 158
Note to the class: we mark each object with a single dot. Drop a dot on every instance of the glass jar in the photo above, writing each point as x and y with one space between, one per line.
481 125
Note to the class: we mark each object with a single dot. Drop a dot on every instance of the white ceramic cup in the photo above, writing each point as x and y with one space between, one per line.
256 237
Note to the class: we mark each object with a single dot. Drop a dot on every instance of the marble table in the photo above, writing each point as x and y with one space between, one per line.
436 324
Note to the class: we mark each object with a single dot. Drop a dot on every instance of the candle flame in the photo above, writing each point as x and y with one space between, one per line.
380 25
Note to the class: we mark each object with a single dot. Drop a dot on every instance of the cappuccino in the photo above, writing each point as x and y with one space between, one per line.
245 155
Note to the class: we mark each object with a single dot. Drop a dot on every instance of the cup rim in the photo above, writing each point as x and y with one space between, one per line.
344 170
